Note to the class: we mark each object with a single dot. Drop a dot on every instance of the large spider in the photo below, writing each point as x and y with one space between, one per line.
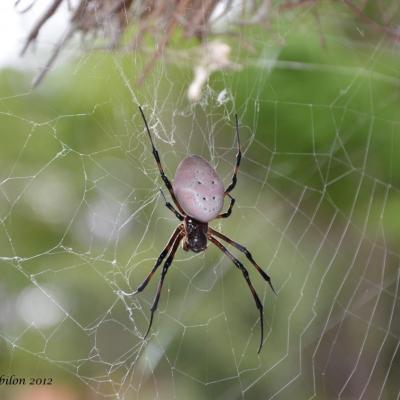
198 194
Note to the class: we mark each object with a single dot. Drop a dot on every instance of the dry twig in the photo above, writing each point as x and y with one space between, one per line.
162 18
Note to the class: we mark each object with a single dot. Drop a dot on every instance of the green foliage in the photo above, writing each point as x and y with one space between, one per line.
324 151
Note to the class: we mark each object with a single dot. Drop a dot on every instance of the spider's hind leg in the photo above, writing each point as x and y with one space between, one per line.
171 207
159 165
229 212
238 158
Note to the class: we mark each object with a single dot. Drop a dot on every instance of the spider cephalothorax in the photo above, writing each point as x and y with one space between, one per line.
195 235
198 194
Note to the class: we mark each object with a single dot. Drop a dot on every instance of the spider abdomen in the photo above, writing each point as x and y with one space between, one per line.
198 189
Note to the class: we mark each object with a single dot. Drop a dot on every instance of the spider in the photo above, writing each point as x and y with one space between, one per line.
198 194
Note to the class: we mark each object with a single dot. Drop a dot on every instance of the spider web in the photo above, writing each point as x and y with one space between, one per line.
82 222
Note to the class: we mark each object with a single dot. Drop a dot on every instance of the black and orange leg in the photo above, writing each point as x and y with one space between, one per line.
171 241
238 158
171 207
160 284
245 273
243 249
158 161
229 212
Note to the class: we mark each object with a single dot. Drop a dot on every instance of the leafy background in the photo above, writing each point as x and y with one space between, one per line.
81 221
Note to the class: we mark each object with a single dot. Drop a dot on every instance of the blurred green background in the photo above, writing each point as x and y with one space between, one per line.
82 222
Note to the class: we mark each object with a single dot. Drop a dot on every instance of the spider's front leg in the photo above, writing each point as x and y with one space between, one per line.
245 273
246 252
161 283
178 232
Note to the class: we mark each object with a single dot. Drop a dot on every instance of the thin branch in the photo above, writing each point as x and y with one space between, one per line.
290 5
53 58
36 29
163 43
161 18
374 25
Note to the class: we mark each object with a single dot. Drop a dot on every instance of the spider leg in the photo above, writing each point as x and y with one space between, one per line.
238 158
243 249
245 273
160 284
229 212
171 241
171 207
158 161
